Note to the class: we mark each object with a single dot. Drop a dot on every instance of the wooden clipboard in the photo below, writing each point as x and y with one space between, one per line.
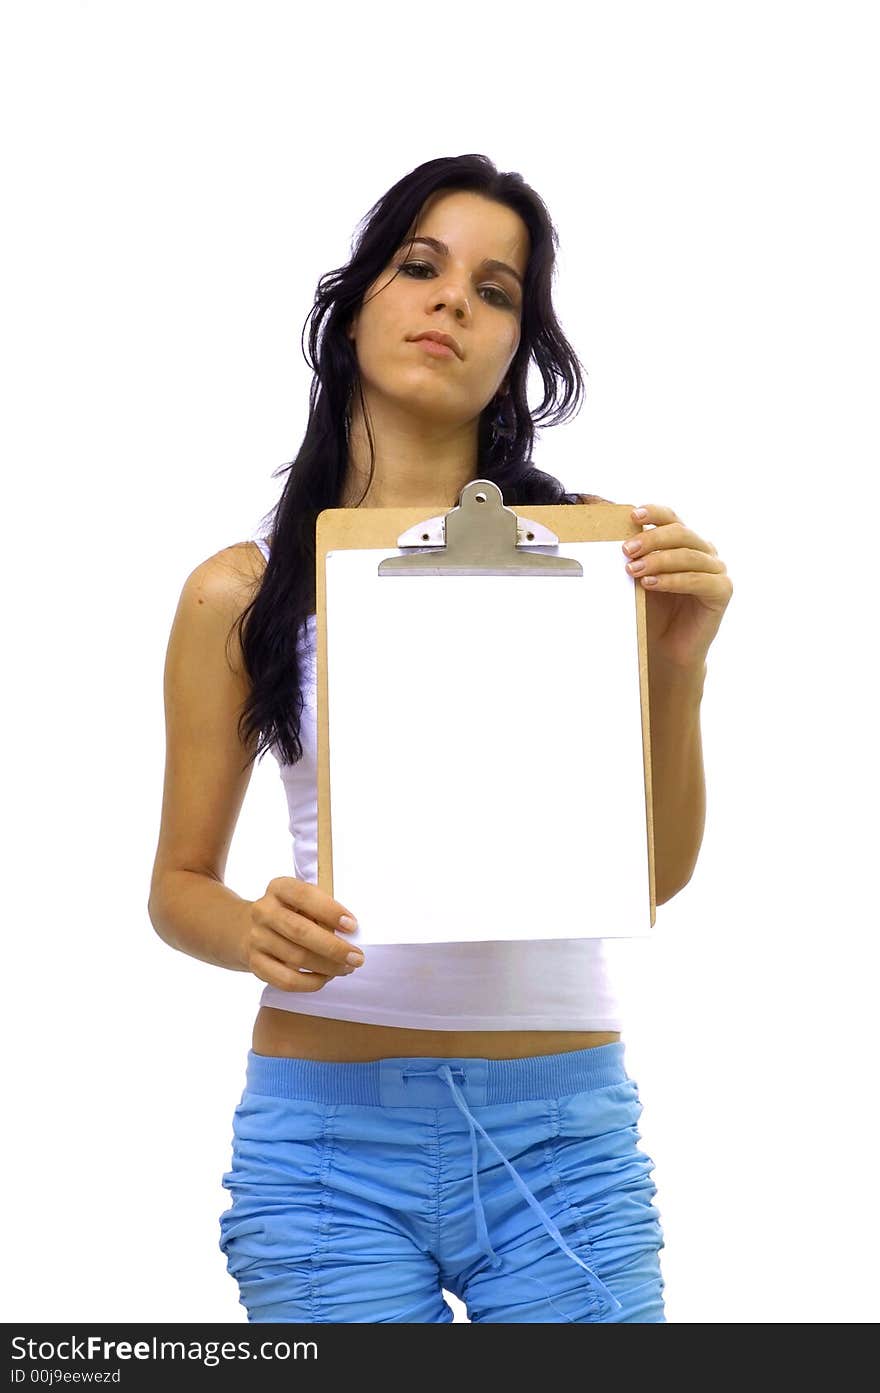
522 536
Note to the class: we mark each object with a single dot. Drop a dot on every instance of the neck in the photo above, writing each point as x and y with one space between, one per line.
418 463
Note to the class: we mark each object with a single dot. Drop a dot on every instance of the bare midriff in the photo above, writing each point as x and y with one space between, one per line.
296 1035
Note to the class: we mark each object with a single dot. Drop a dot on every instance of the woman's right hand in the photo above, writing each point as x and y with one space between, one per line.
293 926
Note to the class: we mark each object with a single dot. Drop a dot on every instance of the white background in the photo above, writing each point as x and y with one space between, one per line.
176 178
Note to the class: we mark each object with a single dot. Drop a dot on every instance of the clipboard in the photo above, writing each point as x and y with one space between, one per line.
483 722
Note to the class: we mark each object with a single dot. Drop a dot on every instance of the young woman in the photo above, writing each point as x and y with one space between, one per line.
415 1117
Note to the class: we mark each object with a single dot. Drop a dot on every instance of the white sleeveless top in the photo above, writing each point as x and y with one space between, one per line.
552 984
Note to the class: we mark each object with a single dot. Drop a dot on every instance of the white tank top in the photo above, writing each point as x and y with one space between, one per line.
551 984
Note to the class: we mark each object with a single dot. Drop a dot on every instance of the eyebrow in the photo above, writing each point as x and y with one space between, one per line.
490 263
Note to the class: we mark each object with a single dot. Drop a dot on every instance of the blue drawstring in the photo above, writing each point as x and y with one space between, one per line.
445 1073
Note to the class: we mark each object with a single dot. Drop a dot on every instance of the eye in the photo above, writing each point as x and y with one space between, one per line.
504 302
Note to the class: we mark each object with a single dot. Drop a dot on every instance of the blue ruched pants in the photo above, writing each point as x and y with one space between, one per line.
360 1190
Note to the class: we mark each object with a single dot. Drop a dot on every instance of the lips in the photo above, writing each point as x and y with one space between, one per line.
436 350
444 340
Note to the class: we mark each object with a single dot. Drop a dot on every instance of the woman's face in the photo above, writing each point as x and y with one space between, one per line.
454 292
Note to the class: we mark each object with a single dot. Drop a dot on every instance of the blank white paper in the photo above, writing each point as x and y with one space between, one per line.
486 764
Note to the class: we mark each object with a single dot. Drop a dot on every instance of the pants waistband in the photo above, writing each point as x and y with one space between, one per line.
414 1081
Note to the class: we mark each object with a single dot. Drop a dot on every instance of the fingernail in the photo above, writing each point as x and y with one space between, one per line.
640 512
355 959
346 922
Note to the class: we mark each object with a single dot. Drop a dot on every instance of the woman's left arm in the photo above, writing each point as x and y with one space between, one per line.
677 780
687 590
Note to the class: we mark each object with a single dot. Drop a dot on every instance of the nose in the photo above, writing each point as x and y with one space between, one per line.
451 295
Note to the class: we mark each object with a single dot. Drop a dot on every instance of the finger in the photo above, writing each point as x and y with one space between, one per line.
714 589
676 559
286 979
292 953
671 534
311 937
654 513
313 902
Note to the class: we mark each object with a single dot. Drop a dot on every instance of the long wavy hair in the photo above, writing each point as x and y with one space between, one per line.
285 595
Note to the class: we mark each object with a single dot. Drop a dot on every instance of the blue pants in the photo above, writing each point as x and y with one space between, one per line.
359 1190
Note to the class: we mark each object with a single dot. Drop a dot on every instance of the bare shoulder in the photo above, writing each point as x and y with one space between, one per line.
228 580
213 599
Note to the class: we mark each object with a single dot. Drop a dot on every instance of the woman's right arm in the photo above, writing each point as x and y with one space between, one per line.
207 772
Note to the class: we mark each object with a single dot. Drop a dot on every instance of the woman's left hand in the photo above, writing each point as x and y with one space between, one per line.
686 585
